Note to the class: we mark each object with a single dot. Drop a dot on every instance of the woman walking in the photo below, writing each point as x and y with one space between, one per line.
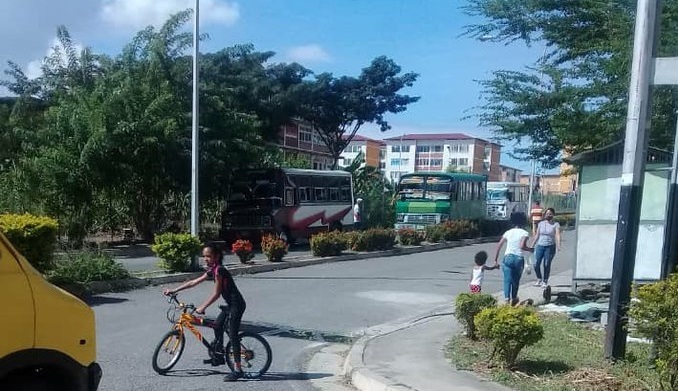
514 261
546 239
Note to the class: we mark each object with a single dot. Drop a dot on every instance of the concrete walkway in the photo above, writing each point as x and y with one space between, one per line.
410 356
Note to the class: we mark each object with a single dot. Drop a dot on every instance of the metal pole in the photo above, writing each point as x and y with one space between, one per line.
670 249
633 170
529 193
400 159
195 210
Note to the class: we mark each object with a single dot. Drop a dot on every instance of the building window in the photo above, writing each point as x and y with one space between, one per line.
436 162
453 162
382 153
422 162
396 148
382 165
463 162
400 162
488 152
347 162
305 133
423 148
437 148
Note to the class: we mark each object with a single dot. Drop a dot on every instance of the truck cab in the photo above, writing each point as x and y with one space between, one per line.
47 335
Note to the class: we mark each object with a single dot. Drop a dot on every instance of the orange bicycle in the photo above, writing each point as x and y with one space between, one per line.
255 352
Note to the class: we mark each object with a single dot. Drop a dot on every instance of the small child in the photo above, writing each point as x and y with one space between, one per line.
479 271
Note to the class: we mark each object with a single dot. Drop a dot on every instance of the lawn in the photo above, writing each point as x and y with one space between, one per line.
570 357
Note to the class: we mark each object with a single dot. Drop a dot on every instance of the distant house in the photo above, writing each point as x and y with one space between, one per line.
438 152
373 151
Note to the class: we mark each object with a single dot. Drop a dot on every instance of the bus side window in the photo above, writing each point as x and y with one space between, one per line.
334 194
345 194
454 191
289 196
320 194
304 195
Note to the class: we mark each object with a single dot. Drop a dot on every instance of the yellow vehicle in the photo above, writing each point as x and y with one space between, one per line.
47 336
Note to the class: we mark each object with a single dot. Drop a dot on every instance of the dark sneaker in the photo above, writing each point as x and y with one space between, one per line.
234 375
215 361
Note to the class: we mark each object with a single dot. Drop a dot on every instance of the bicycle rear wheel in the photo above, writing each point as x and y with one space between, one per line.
170 348
255 354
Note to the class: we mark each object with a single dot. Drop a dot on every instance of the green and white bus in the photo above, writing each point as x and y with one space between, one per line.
426 198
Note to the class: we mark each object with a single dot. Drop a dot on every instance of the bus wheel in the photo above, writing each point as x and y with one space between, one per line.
336 226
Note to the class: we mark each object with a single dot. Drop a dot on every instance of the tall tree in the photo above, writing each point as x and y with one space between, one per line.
338 107
574 98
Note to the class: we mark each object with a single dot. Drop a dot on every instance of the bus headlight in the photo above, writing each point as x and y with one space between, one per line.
400 217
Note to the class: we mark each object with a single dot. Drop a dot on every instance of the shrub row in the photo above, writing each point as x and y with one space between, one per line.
565 220
333 243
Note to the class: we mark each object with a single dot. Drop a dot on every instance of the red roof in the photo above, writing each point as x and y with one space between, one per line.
432 136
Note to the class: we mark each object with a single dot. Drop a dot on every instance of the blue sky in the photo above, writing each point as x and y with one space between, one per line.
338 36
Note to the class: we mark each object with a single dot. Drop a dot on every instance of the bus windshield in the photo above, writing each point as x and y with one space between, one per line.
433 188
497 194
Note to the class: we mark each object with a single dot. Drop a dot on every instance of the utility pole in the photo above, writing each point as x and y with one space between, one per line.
195 155
633 171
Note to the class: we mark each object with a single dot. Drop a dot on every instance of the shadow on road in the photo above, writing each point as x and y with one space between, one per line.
278 376
271 376
99 300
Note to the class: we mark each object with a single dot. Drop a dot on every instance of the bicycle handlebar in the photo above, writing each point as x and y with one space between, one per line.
172 298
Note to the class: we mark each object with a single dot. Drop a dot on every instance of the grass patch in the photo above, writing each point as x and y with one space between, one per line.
569 358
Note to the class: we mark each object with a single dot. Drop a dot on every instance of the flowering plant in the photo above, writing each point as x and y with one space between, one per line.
243 249
274 248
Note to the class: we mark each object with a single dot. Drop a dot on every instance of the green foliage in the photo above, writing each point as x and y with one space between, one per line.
176 250
654 317
410 237
468 305
326 244
338 107
375 240
84 267
377 192
510 329
435 233
273 247
576 96
33 236
565 220
459 229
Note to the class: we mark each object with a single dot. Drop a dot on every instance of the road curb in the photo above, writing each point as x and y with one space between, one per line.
98 287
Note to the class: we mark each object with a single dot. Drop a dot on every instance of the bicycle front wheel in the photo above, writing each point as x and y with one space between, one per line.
168 351
255 354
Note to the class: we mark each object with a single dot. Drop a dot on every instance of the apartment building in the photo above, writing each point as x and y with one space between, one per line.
438 152
299 138
373 150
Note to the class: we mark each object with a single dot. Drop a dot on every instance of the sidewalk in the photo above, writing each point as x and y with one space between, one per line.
410 356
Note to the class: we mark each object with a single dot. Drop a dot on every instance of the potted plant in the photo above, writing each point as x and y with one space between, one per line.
274 248
243 249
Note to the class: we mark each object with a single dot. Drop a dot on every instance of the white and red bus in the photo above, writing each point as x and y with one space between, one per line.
289 202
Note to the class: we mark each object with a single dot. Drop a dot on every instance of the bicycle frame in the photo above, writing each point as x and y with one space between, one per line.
188 321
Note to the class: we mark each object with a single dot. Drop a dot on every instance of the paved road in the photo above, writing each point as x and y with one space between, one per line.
296 308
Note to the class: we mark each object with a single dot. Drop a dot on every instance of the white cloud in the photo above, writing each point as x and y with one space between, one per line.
137 14
308 53
34 68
